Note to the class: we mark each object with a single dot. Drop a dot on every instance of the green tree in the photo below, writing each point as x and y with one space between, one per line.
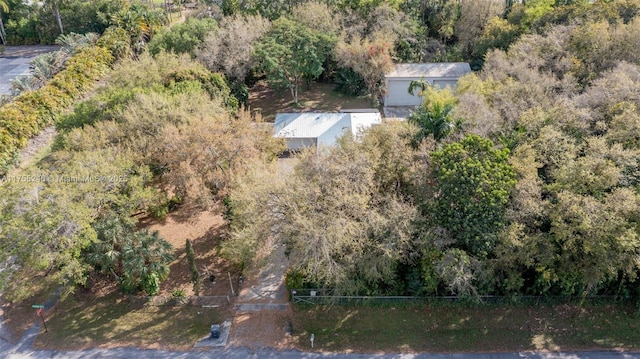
182 38
497 33
473 183
371 57
138 260
54 213
140 21
292 53
441 17
230 7
54 5
43 231
436 115
597 241
341 214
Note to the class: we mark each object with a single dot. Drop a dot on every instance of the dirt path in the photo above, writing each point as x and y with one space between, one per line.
262 307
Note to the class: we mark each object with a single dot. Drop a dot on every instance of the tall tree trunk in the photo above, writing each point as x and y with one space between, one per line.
3 34
58 18
294 92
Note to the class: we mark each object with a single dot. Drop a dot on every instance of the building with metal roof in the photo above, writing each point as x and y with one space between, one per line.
319 129
440 74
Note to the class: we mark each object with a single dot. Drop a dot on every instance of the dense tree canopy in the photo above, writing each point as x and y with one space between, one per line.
158 134
519 199
291 53
522 181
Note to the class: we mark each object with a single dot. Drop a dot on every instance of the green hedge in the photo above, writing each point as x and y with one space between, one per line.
32 111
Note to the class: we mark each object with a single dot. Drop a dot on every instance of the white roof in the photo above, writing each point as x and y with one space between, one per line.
430 70
324 125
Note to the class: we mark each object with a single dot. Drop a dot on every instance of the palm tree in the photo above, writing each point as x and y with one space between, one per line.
140 22
106 252
43 68
436 121
4 8
23 83
132 257
70 42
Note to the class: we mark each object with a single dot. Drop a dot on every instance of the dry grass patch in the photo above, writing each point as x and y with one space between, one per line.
115 320
319 97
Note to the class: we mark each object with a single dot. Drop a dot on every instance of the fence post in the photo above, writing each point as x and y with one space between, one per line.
231 285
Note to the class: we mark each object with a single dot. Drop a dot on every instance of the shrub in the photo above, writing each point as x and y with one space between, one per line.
350 83
151 284
117 41
31 111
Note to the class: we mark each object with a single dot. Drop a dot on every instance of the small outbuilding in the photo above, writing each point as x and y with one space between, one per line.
317 129
440 74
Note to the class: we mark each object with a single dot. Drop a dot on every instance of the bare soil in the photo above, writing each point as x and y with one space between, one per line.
263 329
205 230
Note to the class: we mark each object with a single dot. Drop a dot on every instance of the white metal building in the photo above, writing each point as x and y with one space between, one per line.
310 129
440 74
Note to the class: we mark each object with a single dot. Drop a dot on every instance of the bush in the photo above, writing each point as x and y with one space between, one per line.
23 32
117 41
213 83
350 83
294 280
182 38
128 285
240 91
32 111
151 284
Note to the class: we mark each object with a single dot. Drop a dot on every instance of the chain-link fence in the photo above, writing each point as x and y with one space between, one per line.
328 297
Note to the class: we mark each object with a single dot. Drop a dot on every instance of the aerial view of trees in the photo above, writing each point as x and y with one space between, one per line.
523 180
158 133
504 187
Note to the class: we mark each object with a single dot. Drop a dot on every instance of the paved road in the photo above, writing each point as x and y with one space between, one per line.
242 353
15 61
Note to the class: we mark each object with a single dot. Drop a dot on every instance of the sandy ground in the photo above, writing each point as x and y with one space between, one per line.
205 230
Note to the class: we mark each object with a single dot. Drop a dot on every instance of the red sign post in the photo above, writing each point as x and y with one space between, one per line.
40 309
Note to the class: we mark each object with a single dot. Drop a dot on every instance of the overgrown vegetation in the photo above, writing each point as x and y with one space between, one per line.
522 181
31 111
158 131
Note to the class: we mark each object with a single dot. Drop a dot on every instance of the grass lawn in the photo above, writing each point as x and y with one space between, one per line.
318 97
459 329
115 320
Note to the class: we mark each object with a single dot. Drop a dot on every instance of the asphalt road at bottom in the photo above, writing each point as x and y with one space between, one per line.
10 352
